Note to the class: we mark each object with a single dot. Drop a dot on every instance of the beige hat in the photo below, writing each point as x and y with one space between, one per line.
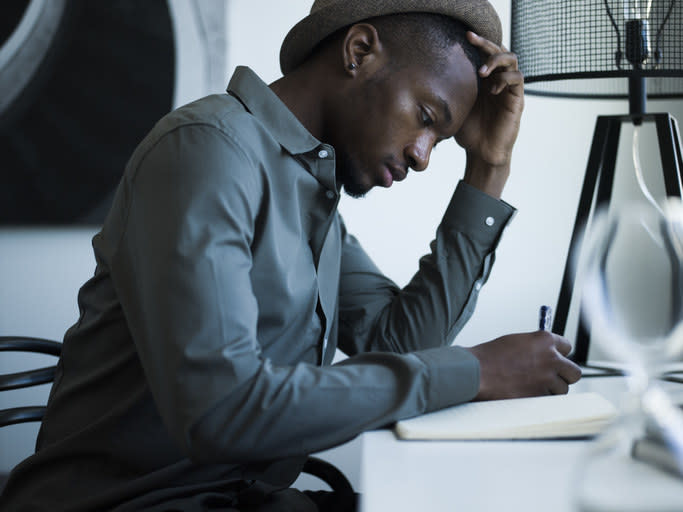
328 16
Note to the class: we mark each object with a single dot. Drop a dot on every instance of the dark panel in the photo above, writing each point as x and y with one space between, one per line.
108 78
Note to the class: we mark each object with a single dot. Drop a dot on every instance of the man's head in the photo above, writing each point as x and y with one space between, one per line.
329 16
420 37
402 83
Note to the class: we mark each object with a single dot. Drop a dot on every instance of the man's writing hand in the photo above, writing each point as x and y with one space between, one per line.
490 131
521 365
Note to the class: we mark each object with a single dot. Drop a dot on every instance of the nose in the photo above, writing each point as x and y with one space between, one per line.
418 151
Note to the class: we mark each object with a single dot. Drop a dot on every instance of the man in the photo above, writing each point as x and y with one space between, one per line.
198 375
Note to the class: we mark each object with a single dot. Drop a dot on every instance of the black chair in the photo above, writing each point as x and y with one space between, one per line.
319 468
27 378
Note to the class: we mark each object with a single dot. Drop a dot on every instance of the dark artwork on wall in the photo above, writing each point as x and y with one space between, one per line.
81 83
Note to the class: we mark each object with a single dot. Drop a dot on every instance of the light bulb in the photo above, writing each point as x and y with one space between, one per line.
637 9
636 17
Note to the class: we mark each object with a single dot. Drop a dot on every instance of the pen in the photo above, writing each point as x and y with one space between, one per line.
545 318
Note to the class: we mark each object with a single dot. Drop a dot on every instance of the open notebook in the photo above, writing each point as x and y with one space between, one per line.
556 416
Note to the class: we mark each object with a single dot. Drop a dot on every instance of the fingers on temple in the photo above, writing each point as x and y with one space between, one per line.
512 79
509 77
483 44
500 63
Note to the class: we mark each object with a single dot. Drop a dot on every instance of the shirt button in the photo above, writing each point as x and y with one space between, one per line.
477 286
323 153
330 194
490 221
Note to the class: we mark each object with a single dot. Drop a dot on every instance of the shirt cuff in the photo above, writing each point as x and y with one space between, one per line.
453 376
477 214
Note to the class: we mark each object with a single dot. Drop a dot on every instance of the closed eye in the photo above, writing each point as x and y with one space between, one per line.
426 119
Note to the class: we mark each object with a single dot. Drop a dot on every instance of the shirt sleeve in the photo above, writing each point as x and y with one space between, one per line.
375 315
181 267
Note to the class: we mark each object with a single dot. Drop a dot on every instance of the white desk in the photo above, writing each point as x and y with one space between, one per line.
472 476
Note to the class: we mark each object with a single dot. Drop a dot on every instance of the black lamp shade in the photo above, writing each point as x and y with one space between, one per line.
585 48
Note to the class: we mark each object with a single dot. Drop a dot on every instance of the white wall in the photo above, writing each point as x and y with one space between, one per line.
395 225
40 272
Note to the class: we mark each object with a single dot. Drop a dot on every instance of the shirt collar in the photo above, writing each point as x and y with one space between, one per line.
267 107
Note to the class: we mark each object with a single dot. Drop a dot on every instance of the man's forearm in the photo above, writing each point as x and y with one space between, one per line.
376 316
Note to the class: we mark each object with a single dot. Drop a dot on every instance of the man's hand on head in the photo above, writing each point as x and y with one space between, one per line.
522 365
490 131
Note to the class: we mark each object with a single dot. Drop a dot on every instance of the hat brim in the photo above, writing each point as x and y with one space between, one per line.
478 15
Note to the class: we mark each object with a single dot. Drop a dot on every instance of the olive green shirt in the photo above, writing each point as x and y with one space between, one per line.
225 282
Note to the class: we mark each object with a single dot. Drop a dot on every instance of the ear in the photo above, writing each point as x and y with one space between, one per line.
362 49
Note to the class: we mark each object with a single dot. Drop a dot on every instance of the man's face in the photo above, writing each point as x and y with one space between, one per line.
393 118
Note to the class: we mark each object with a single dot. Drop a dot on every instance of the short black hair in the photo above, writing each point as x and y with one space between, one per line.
417 37
423 37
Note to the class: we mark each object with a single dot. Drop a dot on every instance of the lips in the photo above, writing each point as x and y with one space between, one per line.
393 173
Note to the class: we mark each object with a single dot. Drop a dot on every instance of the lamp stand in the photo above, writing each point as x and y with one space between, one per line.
597 191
